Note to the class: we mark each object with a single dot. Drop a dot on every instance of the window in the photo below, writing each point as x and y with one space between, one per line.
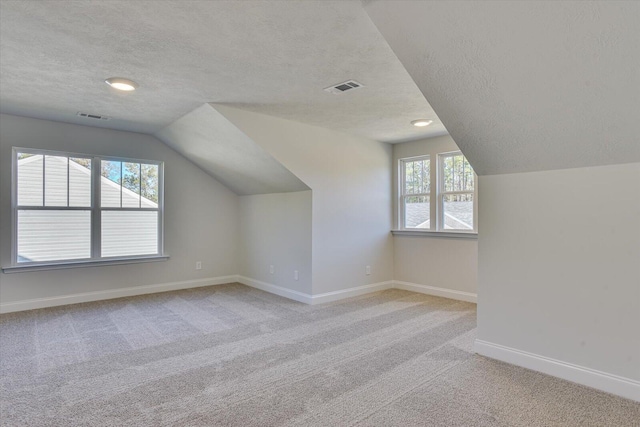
449 205
416 192
455 192
73 207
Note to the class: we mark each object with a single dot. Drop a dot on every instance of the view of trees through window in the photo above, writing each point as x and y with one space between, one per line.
457 173
457 191
418 175
417 193
137 177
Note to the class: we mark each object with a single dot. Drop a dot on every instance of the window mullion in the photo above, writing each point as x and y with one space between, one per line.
130 209
44 159
401 200
96 203
53 208
68 180
14 204
475 203
456 192
121 182
433 187
160 206
440 197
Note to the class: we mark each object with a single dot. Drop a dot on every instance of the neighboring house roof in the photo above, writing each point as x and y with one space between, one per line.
459 215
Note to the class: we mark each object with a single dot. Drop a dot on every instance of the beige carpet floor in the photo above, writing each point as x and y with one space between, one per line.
235 356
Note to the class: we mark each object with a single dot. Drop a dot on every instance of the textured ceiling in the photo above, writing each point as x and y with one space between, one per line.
212 142
272 57
525 86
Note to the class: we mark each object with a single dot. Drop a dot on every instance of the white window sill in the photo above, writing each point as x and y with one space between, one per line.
20 268
441 234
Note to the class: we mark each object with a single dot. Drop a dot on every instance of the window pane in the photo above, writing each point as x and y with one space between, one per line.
458 211
30 170
409 178
53 235
129 233
449 174
457 173
111 177
55 180
150 176
79 182
417 212
131 185
417 176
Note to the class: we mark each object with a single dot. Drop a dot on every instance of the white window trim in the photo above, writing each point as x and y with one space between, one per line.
61 265
430 233
436 197
95 208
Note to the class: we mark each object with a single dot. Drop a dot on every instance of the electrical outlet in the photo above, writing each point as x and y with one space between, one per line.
368 270
198 265
295 274
271 269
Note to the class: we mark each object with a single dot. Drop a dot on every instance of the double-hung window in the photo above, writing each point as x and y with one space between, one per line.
437 193
416 192
74 208
455 192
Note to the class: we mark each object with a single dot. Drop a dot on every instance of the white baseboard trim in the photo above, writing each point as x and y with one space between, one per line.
439 292
315 299
351 292
609 383
274 289
32 304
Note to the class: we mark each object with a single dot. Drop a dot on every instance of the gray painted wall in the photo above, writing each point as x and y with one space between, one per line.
448 263
542 86
559 271
350 178
275 229
201 215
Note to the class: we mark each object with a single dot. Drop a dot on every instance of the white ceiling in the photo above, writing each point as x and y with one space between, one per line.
525 86
272 57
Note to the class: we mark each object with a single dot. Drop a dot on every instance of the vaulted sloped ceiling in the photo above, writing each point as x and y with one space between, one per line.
521 86
271 57
212 142
525 86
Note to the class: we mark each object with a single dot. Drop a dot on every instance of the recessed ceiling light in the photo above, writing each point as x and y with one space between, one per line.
421 122
121 83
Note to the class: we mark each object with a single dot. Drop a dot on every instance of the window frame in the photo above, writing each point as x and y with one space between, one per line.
441 193
436 197
403 195
95 208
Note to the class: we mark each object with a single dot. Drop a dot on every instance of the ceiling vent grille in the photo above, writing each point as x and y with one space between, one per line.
343 87
93 116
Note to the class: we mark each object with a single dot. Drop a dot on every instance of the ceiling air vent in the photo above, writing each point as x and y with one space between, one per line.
93 116
343 87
